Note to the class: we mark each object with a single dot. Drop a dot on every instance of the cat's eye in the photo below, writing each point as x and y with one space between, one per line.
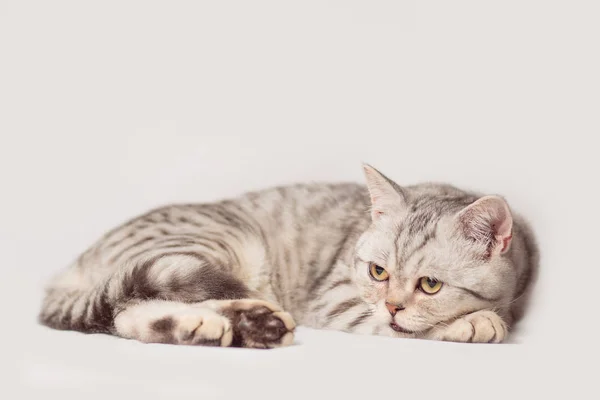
429 285
378 273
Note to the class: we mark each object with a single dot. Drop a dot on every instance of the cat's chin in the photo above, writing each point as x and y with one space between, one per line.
400 329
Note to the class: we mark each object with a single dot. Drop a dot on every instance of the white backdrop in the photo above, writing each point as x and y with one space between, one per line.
110 108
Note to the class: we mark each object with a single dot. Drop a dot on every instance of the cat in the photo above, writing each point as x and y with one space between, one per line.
425 261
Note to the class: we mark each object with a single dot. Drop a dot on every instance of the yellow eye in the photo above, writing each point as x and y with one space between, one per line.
378 273
430 286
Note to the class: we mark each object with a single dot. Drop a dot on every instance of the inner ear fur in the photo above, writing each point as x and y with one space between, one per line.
488 221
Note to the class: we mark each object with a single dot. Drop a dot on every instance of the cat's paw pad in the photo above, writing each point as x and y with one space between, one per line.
194 327
260 324
478 327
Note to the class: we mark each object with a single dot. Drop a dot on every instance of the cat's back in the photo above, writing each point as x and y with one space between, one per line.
281 209
311 201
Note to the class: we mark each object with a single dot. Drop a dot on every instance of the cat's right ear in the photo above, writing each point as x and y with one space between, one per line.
386 195
488 221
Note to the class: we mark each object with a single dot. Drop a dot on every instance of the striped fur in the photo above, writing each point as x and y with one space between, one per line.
222 273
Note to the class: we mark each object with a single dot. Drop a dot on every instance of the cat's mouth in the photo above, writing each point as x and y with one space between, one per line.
400 329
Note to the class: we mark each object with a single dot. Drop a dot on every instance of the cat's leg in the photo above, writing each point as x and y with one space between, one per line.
160 321
240 323
338 306
482 326
185 289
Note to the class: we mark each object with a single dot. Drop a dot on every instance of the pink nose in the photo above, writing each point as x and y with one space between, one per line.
393 308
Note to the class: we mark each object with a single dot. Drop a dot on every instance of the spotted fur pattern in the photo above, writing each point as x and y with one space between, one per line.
223 273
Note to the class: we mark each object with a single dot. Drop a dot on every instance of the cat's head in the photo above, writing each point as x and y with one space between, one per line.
432 253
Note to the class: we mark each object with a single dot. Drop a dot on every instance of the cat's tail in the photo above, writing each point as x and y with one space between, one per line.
70 305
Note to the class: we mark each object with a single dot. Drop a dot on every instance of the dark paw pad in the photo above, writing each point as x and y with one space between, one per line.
260 327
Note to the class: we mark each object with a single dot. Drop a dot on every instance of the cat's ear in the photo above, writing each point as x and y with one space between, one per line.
386 195
488 221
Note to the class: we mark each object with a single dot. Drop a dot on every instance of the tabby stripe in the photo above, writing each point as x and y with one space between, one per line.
118 241
240 219
102 312
320 280
151 218
79 323
244 215
319 307
400 229
339 283
210 215
166 243
154 251
175 245
420 221
89 309
419 263
343 307
360 319
478 295
226 216
222 243
65 317
127 224
407 256
236 234
181 241
188 237
119 254
300 246
188 221
57 307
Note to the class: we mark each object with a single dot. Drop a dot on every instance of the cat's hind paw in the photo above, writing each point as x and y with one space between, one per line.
193 327
259 324
240 323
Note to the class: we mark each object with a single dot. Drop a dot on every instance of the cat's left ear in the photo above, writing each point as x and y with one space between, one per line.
488 221
386 196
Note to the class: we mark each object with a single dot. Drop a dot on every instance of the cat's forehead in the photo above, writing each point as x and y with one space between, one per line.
424 238
424 212
426 217
436 252
435 206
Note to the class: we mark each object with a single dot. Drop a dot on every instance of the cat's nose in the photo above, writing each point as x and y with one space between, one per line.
394 308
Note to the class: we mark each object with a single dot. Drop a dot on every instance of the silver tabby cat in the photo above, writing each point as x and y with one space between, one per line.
428 261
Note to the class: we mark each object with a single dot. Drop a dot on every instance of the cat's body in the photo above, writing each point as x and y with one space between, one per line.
223 273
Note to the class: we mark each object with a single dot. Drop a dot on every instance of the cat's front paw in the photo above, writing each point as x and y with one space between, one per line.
478 327
259 324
